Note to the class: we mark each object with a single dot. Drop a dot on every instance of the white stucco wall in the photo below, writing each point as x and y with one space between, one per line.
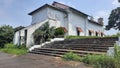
30 29
94 27
16 38
76 20
39 16
57 18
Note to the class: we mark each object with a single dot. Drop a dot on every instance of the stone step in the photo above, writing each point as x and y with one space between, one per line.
43 53
95 50
57 52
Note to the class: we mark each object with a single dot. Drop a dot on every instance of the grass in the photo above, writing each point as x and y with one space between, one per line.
97 61
100 61
80 37
84 37
72 57
12 49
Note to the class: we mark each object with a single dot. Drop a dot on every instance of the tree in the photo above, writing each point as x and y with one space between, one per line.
6 34
43 33
114 19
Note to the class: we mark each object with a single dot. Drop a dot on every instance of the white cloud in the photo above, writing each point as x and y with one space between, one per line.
116 3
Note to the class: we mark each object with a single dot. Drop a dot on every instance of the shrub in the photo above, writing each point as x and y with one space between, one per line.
59 31
105 62
100 61
6 34
72 56
117 55
91 59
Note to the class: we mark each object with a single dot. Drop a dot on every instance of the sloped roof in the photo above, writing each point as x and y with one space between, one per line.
51 6
91 21
46 5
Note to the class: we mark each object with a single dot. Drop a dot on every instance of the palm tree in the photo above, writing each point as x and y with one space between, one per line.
43 33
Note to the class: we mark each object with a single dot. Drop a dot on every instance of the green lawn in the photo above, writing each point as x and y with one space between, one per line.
12 49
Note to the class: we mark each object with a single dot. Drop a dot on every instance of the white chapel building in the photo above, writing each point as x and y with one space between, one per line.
74 22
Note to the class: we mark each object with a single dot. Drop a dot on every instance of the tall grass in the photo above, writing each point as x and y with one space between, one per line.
12 49
72 57
98 61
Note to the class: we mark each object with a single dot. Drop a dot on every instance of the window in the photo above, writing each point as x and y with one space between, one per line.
102 34
78 31
96 33
90 33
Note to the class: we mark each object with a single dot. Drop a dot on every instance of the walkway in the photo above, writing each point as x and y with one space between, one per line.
36 61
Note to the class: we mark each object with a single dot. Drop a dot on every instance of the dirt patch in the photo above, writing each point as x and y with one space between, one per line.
37 61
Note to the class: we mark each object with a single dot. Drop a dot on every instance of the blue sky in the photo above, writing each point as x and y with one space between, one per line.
15 12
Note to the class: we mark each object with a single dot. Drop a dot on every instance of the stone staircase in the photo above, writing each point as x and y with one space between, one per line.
79 46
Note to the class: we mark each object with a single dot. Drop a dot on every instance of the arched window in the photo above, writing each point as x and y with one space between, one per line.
78 31
96 33
90 32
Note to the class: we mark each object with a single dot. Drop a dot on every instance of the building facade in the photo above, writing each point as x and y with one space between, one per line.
75 22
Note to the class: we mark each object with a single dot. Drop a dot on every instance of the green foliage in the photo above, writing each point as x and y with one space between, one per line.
116 51
12 49
80 37
59 31
44 33
116 35
117 55
91 59
113 20
85 37
72 56
103 61
6 34
38 36
99 61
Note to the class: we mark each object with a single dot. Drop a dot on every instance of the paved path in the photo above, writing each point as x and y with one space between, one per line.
36 61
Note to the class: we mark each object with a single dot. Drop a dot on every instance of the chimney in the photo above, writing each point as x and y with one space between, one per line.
100 20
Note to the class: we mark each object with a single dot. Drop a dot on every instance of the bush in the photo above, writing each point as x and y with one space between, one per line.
105 62
100 61
91 59
117 55
72 56
6 34
59 31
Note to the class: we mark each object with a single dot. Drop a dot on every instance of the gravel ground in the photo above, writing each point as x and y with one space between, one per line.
36 61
